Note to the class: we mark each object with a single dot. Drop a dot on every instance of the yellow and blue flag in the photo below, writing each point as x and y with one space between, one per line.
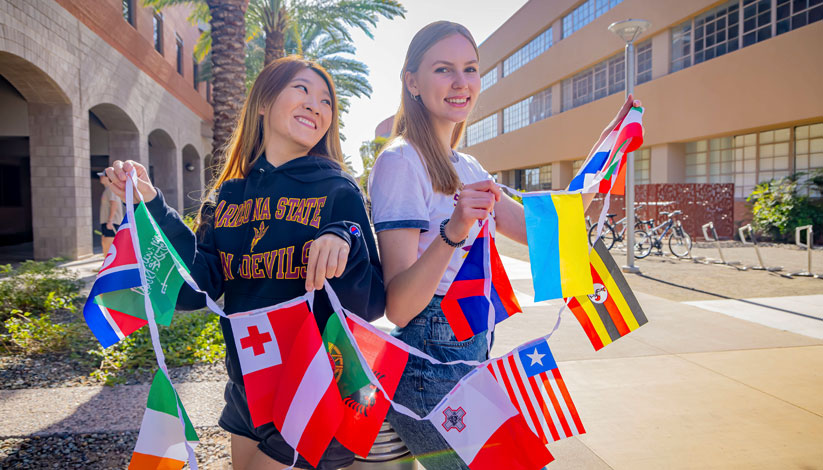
558 245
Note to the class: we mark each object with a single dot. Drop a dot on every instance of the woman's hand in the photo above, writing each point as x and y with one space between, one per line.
327 259
118 174
475 202
628 105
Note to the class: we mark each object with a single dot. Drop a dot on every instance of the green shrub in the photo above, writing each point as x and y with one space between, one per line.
778 209
35 334
37 287
191 338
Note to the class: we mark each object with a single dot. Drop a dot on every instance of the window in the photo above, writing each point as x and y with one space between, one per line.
585 14
745 164
128 11
195 72
532 109
719 31
808 151
642 160
527 53
792 14
773 149
606 78
644 63
489 79
158 32
536 179
179 42
577 165
482 130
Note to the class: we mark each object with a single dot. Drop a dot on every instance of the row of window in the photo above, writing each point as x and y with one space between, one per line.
736 24
527 53
482 130
530 110
748 159
585 14
606 78
128 8
489 79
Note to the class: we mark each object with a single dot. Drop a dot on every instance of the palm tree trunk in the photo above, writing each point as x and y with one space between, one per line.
276 39
228 32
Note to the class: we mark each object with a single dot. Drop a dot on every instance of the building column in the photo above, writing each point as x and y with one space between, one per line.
60 170
557 98
661 53
561 174
668 163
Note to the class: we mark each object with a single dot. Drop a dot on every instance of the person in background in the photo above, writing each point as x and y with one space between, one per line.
111 213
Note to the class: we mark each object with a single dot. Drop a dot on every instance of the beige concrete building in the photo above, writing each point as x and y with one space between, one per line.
732 90
84 82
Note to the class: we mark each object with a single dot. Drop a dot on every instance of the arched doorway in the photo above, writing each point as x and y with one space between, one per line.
192 179
112 136
41 204
163 167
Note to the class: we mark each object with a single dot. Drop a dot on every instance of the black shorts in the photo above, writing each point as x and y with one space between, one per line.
237 420
108 233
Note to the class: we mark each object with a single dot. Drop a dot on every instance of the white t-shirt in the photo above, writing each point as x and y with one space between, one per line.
402 197
106 199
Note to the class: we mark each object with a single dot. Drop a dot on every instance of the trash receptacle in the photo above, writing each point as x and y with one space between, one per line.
388 453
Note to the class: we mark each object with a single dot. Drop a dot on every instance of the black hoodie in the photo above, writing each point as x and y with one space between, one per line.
254 246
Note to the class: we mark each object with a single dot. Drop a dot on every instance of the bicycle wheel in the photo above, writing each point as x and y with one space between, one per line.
680 245
642 244
607 235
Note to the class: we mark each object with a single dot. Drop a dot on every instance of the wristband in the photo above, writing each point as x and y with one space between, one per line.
446 238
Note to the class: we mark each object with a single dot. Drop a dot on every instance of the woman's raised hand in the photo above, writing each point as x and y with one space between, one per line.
475 202
630 102
118 174
327 259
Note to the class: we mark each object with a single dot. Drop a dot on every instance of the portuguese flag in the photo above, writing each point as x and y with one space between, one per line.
365 405
612 311
161 443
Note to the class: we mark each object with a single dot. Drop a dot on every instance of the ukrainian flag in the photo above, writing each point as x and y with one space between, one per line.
558 245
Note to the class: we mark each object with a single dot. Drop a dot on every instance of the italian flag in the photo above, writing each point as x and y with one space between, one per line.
161 443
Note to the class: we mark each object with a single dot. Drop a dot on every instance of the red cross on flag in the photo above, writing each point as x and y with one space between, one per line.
262 339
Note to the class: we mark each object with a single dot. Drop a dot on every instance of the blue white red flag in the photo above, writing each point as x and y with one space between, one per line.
480 284
119 272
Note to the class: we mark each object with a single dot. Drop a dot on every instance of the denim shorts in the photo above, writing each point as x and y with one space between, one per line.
423 384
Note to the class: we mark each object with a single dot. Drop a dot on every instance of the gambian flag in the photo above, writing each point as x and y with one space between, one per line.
466 304
161 443
365 407
558 245
612 311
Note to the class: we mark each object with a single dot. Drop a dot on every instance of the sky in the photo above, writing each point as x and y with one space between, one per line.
384 56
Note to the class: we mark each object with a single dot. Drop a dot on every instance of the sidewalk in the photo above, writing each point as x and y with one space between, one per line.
691 389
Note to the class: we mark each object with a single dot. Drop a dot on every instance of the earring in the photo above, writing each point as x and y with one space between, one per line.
416 98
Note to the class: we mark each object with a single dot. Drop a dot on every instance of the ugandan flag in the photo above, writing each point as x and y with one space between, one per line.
612 311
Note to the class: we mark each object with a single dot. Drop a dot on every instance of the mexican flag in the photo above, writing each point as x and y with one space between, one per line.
365 405
161 443
163 274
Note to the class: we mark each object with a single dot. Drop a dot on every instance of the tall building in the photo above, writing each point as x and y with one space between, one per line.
732 90
82 83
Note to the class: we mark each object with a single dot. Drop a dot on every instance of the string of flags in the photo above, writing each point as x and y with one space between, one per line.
340 383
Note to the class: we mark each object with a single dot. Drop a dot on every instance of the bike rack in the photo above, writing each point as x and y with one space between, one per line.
761 267
808 245
716 241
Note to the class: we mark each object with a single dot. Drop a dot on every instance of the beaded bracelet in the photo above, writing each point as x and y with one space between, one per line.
446 239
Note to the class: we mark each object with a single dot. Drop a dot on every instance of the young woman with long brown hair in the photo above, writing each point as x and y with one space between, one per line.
284 165
427 201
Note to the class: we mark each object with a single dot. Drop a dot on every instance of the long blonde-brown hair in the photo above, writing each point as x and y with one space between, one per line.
247 142
412 120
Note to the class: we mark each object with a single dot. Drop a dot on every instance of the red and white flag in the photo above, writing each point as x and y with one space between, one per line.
482 426
263 340
307 404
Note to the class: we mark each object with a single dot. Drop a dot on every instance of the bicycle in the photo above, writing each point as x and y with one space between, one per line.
680 243
609 235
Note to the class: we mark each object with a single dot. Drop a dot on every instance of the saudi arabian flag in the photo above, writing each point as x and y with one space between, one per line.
161 443
348 373
162 274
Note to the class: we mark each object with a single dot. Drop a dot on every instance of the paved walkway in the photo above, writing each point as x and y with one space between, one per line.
691 389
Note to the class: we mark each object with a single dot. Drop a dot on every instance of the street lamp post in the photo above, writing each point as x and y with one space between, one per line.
629 30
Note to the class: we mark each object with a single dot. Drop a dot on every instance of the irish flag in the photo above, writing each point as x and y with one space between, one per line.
161 443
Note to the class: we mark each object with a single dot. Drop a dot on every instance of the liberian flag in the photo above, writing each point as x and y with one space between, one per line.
263 339
604 171
612 311
530 378
161 443
467 302
307 404
558 245
119 271
482 426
